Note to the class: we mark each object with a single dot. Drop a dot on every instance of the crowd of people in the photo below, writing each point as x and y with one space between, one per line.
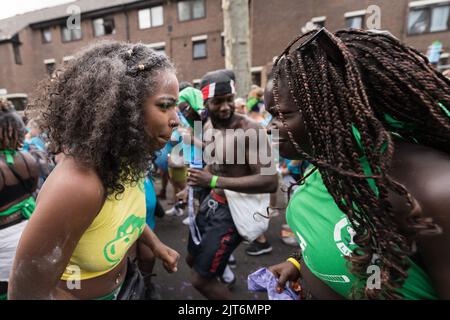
357 125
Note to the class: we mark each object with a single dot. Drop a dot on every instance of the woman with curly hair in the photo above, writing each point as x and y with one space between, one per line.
19 174
372 213
107 111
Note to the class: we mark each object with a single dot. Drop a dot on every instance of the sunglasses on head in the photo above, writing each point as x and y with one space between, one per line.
323 39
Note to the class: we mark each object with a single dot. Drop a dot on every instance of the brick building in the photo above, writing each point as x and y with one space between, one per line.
191 32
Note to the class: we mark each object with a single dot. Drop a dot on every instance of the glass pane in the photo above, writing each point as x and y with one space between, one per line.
144 19
157 16
76 34
417 21
355 22
50 68
184 10
109 27
99 28
439 18
46 35
65 33
200 49
198 9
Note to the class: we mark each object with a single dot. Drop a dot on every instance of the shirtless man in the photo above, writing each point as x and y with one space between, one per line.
219 236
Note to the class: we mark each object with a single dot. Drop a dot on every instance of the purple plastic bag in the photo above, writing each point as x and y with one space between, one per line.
263 280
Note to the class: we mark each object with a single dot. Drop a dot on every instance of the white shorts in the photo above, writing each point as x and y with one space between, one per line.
9 239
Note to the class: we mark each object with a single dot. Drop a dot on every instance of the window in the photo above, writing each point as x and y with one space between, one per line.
439 18
354 22
417 21
256 78
16 48
158 47
46 35
196 83
199 49
103 26
50 68
222 45
67 59
68 35
191 9
443 60
152 17
428 19
17 56
319 21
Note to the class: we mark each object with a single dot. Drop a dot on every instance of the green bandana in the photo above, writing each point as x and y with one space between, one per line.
194 98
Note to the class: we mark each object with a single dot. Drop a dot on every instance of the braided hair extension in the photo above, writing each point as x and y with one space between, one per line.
379 76
93 109
12 128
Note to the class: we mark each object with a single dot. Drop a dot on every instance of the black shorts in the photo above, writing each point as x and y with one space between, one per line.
219 238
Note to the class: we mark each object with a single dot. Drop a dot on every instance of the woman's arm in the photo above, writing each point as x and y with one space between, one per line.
435 249
67 204
168 256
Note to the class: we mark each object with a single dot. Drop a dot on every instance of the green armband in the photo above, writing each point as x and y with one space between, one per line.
213 182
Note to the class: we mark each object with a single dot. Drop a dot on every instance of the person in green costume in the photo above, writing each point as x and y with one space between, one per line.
19 174
372 213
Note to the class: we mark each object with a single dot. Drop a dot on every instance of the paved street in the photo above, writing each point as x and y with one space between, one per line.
176 286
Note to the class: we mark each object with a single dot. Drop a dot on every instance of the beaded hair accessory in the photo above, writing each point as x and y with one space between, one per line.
134 70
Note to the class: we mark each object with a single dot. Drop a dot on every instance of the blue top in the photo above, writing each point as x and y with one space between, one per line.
35 141
150 202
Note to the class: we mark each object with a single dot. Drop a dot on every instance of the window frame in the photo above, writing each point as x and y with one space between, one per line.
191 11
150 17
62 27
16 52
319 21
222 44
43 40
157 46
428 9
363 19
194 42
104 19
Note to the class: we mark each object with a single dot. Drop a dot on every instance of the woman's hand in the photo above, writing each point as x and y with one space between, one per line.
183 195
284 272
168 256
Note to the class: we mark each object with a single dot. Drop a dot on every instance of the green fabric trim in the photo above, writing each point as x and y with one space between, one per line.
26 206
3 297
444 109
110 296
9 155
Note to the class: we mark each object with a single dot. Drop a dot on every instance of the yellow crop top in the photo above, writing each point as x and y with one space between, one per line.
106 241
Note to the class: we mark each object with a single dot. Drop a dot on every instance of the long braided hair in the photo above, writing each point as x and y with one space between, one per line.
12 128
379 80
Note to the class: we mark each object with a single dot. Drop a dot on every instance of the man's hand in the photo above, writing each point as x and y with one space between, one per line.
199 178
168 256
284 272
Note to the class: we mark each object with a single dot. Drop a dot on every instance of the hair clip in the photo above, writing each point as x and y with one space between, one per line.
141 67
327 44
